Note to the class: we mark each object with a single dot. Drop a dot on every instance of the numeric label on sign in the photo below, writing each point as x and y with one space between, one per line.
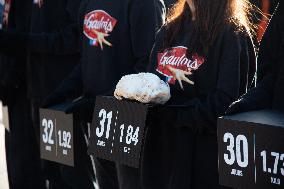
118 129
251 153
273 164
131 135
64 139
128 134
237 150
100 131
47 136
56 136
236 155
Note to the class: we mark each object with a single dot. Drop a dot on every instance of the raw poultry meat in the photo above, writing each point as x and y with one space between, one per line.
143 87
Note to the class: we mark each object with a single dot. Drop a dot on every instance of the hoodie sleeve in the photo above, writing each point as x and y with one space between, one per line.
146 17
269 48
64 41
261 96
70 88
201 113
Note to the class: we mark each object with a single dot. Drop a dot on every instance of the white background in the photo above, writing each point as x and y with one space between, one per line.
3 167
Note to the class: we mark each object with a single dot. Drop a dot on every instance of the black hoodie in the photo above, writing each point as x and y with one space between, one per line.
53 44
12 63
126 31
271 64
130 28
181 144
270 75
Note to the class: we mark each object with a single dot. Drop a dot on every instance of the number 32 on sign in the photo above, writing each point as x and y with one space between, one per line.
56 136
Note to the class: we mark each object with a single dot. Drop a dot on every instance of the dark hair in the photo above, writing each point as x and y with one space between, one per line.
211 17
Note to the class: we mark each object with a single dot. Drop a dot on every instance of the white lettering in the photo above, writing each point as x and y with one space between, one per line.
92 23
172 60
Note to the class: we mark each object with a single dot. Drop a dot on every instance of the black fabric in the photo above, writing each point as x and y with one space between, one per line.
269 90
230 76
8 39
23 159
278 92
69 89
53 52
106 174
126 51
82 174
180 148
53 45
12 77
132 38
12 68
170 3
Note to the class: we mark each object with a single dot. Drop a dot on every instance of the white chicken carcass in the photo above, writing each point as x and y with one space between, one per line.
143 87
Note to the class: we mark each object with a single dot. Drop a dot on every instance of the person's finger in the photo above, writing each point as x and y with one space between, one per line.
101 44
188 72
107 43
187 80
180 83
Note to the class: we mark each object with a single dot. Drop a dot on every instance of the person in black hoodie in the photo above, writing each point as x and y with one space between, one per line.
205 53
23 161
52 45
54 50
117 37
268 94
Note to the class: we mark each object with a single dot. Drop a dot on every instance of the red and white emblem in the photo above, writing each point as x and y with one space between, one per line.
97 26
175 65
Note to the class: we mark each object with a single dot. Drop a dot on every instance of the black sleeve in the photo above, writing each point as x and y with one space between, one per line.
152 65
200 114
261 97
64 41
69 89
143 26
269 48
73 84
250 54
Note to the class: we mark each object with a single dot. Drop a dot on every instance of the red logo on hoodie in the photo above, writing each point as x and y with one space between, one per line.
175 65
97 26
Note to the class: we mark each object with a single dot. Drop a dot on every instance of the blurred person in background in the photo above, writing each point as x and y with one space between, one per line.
22 152
269 92
52 47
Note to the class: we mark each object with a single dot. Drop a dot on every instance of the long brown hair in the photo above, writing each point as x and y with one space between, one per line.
211 17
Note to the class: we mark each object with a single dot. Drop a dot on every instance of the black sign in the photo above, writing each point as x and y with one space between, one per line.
251 150
56 136
118 130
